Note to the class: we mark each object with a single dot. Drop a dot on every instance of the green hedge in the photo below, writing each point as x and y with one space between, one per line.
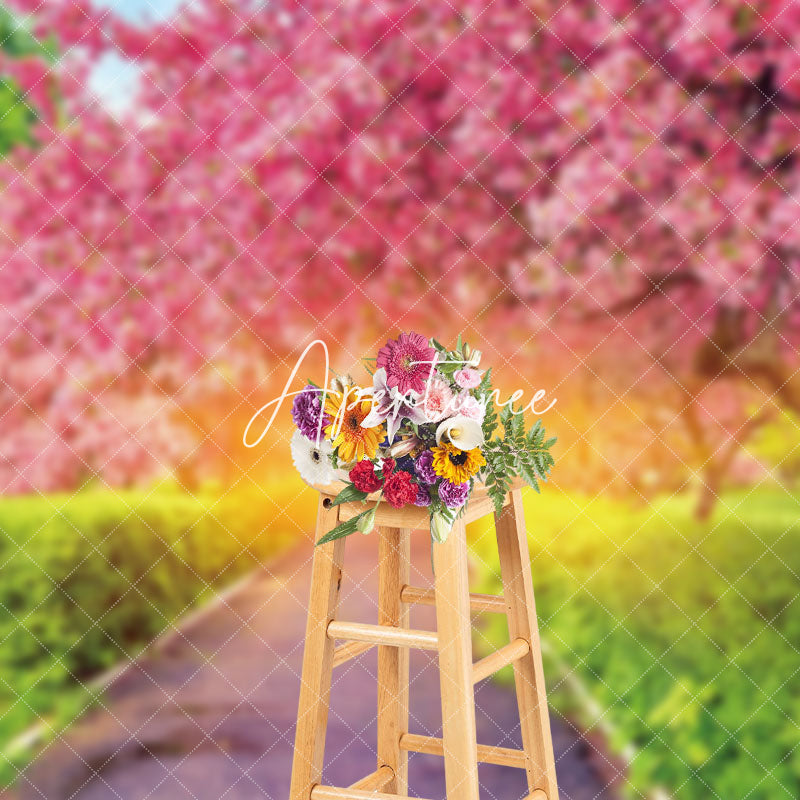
88 580
686 634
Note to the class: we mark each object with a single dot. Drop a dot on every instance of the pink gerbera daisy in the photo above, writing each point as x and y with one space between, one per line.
408 361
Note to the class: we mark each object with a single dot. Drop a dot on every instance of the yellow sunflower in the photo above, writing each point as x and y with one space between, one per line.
457 466
345 431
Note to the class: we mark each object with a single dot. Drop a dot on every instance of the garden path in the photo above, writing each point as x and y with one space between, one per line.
209 713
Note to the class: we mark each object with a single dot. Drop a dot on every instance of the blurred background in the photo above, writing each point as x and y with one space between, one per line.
603 198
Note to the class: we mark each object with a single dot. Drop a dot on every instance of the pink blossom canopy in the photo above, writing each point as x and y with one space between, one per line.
518 167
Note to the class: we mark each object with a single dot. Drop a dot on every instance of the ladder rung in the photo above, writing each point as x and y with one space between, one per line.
383 634
344 652
487 754
506 655
375 781
333 793
477 602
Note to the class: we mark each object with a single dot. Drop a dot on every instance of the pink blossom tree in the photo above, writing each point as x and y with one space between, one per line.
302 169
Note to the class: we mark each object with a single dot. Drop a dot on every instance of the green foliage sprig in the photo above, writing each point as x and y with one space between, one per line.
515 454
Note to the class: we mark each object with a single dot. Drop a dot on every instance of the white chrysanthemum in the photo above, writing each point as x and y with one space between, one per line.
312 462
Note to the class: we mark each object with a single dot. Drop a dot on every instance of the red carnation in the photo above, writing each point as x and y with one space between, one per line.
388 466
364 477
399 490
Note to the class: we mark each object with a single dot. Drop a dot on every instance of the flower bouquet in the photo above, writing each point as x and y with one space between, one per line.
425 432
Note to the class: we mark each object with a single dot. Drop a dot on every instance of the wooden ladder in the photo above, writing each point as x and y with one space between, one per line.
452 641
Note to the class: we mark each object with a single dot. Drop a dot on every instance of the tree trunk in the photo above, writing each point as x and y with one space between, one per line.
718 467
729 354
709 492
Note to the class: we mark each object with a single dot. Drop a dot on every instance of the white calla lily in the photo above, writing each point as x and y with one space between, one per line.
463 432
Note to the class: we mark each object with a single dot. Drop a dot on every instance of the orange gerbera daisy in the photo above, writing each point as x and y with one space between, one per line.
347 413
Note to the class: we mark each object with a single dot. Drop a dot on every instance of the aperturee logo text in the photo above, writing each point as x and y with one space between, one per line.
427 432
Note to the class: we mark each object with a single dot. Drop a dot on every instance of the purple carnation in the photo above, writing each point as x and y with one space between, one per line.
423 466
454 495
306 411
423 496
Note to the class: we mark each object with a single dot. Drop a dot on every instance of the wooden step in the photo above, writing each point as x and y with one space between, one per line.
334 793
376 781
383 634
487 754
506 655
344 652
478 602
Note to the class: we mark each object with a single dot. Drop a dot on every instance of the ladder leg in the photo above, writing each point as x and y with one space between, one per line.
393 574
455 665
515 567
315 685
